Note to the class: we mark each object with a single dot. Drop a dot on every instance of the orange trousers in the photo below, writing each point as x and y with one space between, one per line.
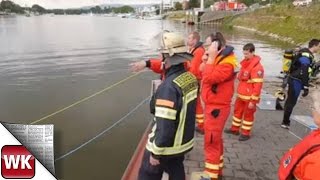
243 117
199 114
215 119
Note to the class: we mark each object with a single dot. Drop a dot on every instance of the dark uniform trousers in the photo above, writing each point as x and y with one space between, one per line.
171 165
294 90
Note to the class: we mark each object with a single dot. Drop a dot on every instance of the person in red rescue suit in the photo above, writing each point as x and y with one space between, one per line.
248 93
218 75
197 50
302 162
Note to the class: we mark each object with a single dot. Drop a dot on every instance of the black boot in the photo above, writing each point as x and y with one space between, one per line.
244 137
200 131
229 131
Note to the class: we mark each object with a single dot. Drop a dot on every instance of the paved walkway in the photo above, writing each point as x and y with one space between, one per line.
255 159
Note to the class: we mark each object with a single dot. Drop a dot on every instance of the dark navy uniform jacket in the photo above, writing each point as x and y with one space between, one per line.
174 110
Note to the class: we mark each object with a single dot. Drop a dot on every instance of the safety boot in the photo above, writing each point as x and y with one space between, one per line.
199 130
229 131
244 137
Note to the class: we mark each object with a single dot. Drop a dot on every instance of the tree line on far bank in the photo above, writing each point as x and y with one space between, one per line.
11 7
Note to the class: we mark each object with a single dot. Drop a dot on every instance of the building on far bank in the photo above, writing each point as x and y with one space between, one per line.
301 2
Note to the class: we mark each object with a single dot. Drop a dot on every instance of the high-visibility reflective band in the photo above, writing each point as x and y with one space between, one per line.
199 115
152 147
255 97
164 102
153 130
310 71
200 120
166 113
180 130
178 147
296 178
236 119
305 54
221 165
212 166
236 124
246 127
255 80
191 95
244 97
247 122
212 175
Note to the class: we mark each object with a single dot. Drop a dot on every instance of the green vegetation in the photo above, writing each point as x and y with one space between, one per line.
299 23
96 10
10 7
39 9
208 3
194 4
123 9
176 16
178 6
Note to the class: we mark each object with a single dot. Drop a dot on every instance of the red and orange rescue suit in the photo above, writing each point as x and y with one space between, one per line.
217 91
303 160
198 51
250 84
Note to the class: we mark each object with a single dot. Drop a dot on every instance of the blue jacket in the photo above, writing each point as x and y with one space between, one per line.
300 67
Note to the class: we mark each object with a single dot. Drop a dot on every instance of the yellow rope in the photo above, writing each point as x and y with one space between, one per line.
85 99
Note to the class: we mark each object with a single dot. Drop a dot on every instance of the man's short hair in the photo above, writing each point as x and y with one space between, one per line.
314 42
195 35
218 36
249 47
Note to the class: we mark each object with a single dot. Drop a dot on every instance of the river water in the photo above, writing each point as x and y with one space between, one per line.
48 63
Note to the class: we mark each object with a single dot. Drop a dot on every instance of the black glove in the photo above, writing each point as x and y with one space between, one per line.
152 105
215 113
305 91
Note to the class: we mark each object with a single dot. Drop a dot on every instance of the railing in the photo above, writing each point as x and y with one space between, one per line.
131 173
212 16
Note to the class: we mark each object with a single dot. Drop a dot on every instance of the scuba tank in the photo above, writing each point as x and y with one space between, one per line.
288 57
287 60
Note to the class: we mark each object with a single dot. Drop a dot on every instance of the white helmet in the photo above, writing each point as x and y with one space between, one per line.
173 43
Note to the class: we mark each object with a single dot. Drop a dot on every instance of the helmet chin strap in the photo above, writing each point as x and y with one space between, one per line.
164 57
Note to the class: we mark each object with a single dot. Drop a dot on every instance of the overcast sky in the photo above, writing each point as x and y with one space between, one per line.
80 3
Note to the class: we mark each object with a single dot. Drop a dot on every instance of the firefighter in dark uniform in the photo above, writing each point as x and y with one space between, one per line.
174 108
299 79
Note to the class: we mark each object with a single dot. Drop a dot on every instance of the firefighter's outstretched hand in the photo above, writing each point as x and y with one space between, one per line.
153 161
251 105
137 66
